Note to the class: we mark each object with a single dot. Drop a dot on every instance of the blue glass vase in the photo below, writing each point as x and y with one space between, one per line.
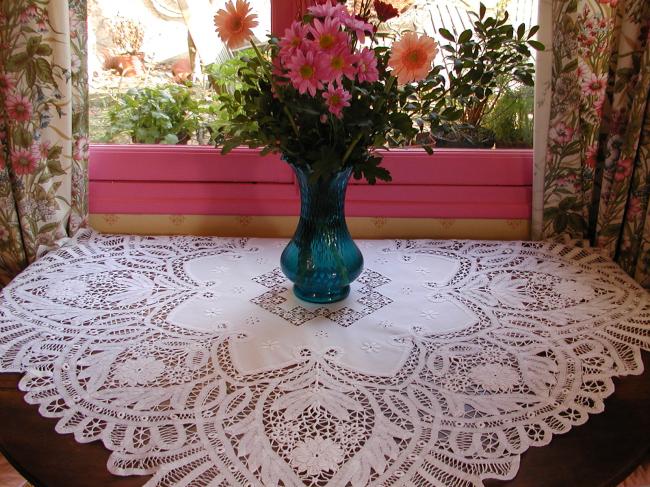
322 259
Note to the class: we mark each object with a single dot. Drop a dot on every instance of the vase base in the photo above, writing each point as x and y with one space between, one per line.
313 297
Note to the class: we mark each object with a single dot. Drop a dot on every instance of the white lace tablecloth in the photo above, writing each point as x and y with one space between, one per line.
191 360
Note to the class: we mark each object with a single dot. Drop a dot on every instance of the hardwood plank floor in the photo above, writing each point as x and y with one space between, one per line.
8 476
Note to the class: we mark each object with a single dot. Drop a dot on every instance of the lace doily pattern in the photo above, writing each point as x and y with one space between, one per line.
191 360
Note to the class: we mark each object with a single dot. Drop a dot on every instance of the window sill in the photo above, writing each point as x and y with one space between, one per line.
191 180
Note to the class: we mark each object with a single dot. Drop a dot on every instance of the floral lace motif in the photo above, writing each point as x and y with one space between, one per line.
159 347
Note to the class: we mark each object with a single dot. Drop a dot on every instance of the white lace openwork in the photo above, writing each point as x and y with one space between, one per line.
191 360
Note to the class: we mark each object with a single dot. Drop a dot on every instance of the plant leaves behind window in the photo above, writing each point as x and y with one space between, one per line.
447 35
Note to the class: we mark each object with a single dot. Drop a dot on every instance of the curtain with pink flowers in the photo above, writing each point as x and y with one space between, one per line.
595 171
43 129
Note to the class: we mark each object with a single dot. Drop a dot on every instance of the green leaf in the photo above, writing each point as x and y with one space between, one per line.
44 71
571 66
465 36
44 50
521 30
32 45
446 34
170 139
48 227
17 61
536 45
21 137
54 167
560 222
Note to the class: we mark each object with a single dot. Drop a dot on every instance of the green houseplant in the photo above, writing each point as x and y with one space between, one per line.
483 64
166 114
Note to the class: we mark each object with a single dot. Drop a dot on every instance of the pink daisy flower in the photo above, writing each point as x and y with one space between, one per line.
307 71
594 84
367 66
24 161
359 27
341 64
44 149
19 108
328 9
80 152
623 170
7 83
292 40
328 35
561 133
337 99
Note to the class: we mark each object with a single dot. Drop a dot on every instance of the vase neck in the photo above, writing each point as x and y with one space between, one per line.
323 196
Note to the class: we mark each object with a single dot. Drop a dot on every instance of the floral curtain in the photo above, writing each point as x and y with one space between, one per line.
594 174
43 129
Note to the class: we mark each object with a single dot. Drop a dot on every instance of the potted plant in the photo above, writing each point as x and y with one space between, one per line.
483 64
128 36
166 114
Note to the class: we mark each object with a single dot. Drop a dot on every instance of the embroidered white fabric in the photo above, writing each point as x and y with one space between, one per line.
191 360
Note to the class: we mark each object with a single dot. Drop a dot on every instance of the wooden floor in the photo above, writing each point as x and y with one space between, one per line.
8 476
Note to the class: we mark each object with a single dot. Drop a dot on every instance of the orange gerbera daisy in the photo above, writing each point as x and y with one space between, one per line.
235 23
411 57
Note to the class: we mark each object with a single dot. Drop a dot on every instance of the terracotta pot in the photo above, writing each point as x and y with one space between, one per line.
128 64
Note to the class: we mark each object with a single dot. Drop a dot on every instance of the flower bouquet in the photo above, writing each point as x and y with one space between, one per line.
326 95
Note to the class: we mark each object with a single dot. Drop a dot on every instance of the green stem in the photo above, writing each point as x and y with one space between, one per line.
351 147
275 88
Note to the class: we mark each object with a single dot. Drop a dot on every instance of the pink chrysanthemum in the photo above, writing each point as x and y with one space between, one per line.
336 99
367 66
328 9
24 161
307 71
411 57
19 108
359 27
328 35
341 64
292 40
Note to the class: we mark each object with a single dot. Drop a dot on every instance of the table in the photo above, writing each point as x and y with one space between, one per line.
584 457
114 277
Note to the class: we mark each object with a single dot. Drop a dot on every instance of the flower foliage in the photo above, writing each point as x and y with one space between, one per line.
324 96
329 91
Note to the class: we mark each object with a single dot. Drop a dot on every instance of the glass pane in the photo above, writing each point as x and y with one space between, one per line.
506 121
151 64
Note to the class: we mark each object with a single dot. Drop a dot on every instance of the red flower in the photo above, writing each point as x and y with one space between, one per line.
623 170
385 11
23 161
19 108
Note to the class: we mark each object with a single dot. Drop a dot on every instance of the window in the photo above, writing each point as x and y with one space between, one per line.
177 180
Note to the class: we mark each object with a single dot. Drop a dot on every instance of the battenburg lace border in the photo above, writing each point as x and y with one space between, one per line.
502 345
